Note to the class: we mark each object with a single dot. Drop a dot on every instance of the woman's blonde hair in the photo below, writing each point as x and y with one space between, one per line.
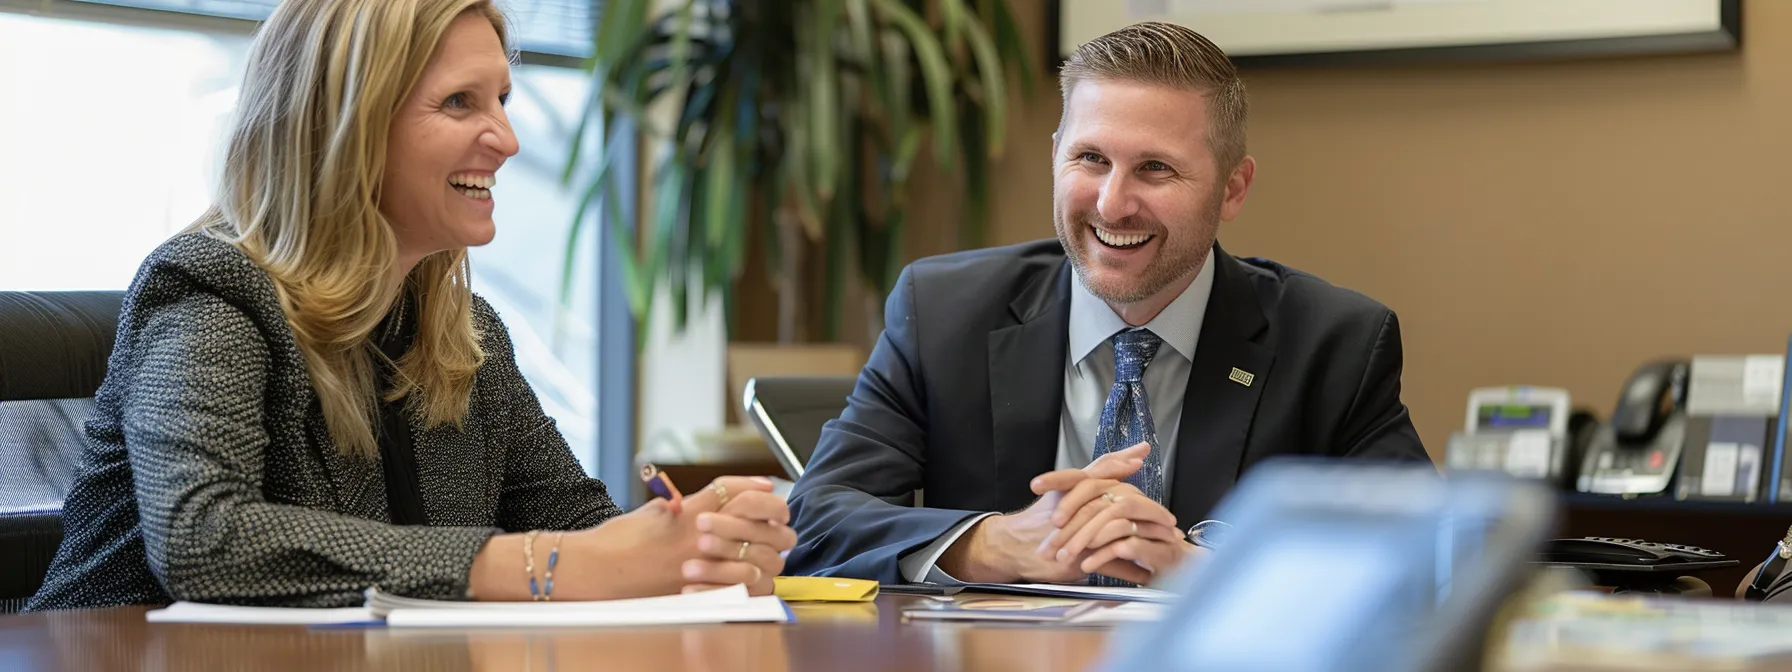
300 196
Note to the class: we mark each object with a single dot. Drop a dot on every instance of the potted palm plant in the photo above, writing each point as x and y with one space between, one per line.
799 118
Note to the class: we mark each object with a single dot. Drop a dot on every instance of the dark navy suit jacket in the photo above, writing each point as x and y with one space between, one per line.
962 395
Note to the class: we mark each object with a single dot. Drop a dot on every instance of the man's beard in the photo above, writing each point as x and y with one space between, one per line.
1180 251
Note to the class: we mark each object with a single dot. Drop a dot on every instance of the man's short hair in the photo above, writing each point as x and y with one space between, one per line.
1170 55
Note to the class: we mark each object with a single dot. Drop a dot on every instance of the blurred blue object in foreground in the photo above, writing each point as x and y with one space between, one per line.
1345 565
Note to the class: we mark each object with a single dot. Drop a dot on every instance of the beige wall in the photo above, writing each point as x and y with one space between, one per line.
1550 224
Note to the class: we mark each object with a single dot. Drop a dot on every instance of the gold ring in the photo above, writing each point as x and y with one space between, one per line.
1110 497
1135 528
742 554
721 494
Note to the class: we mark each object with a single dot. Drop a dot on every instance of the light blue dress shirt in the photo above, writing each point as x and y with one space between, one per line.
1089 375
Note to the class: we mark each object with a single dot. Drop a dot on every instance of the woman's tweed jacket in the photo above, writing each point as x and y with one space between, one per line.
209 475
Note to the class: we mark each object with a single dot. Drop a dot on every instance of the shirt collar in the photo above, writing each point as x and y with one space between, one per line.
1092 322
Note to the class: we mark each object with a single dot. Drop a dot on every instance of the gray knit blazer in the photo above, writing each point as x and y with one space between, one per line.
209 475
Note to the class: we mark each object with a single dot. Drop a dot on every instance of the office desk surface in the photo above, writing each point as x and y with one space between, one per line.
862 637
826 637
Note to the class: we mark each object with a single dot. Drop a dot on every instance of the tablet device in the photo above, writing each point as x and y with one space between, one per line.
1346 565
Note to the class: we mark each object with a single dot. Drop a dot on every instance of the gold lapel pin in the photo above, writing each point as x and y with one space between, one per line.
1241 376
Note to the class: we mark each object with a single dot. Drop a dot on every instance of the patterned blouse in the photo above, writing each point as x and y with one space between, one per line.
209 475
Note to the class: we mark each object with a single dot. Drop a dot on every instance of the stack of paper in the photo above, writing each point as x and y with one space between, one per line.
724 605
194 612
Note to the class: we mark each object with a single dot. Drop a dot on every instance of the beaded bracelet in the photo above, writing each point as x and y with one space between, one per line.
553 559
529 562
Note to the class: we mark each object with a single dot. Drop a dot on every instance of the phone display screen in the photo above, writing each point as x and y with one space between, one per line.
1512 416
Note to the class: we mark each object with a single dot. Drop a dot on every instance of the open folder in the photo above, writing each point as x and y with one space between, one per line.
723 605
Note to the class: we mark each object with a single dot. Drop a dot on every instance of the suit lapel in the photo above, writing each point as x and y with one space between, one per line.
1026 384
451 494
454 490
1218 407
355 480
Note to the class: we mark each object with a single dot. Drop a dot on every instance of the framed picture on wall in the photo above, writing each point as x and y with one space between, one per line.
1366 32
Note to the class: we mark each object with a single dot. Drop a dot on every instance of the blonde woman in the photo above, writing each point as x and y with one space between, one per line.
306 399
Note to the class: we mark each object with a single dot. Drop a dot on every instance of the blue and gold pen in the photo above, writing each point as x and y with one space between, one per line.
661 484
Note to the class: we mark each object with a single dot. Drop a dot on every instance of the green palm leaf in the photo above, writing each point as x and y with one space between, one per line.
994 86
936 72
798 111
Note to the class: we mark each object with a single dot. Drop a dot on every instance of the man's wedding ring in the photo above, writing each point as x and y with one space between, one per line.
742 553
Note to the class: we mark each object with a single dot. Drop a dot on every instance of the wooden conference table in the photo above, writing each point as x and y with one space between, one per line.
866 637
863 637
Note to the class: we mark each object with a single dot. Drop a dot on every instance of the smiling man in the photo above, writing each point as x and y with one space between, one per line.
1070 409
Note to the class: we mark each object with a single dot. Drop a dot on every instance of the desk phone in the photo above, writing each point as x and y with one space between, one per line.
1638 453
1523 430
1631 554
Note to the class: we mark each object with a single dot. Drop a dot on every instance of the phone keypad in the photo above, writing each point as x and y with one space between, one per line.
1682 549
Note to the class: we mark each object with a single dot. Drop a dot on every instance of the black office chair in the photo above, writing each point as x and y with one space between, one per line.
53 351
790 411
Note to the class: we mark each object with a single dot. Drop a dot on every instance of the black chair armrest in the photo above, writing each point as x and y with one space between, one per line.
31 539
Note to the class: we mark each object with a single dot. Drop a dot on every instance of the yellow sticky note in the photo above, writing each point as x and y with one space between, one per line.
824 589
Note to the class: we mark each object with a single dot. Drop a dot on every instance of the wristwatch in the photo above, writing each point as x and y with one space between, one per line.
1211 534
1770 570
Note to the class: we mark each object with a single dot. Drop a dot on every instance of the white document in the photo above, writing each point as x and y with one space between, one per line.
767 609
723 605
194 612
1131 612
382 604
1719 479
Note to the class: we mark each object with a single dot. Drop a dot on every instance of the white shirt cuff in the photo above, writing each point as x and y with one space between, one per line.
918 566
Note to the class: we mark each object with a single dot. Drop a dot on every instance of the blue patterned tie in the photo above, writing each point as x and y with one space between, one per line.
1126 418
